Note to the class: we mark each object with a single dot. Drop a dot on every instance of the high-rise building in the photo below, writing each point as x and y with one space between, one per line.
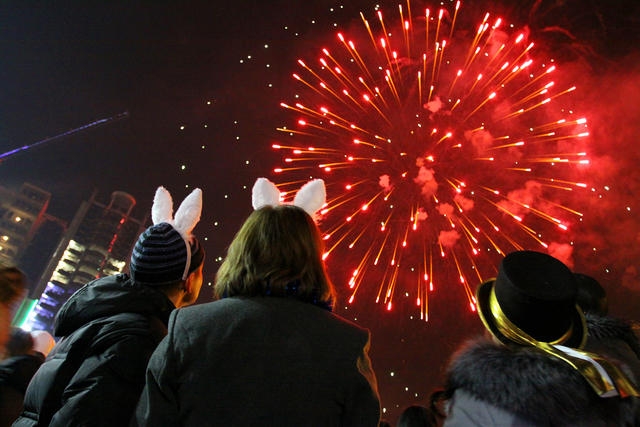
22 212
37 254
97 243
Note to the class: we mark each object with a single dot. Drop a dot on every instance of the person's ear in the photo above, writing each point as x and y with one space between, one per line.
186 286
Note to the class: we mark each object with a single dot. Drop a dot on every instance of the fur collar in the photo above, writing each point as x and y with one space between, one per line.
605 327
527 382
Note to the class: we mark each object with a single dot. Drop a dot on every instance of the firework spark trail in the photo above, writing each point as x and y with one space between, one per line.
441 152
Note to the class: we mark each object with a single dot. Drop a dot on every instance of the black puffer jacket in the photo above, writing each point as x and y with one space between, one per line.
15 374
95 374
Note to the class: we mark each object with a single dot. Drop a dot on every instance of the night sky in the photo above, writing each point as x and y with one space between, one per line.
201 83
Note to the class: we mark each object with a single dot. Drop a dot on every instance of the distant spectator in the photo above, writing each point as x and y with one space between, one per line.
416 416
438 406
13 283
13 286
20 343
25 353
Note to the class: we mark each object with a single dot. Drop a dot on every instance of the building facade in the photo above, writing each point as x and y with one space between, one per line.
22 212
97 243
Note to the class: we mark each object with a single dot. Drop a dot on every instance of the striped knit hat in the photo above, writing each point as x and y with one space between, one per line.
167 252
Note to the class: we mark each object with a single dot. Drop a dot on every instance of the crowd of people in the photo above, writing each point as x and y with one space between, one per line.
133 349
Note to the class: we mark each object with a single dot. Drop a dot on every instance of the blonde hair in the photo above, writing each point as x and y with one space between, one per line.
278 251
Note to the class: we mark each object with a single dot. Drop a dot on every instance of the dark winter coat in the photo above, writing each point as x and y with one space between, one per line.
94 375
494 385
15 374
262 361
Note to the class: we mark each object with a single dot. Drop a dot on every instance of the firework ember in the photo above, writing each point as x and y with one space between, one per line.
442 147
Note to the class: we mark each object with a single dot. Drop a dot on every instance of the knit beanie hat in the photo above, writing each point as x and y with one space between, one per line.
167 252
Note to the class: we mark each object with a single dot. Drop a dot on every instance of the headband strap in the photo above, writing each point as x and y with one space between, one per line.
185 274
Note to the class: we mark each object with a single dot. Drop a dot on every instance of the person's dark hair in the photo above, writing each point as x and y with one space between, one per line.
437 403
20 342
416 416
278 251
169 287
13 282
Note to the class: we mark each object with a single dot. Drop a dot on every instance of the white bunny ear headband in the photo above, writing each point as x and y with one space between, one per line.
311 197
187 216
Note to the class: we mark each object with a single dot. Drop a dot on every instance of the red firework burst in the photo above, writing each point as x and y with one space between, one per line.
442 150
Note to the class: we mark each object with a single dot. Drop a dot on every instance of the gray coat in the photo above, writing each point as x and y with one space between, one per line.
261 361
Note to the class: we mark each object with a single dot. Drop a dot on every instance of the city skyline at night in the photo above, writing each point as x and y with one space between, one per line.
202 85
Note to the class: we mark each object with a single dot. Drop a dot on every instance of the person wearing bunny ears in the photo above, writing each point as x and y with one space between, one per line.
269 351
94 375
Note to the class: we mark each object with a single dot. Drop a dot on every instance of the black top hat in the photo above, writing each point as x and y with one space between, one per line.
533 296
